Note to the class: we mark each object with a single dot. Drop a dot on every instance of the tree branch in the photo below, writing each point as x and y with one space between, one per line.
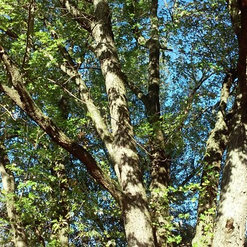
30 25
10 33
137 91
95 114
22 98
82 18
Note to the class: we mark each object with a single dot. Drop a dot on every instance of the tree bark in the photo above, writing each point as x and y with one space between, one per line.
61 209
8 182
120 144
216 145
159 159
23 99
132 196
232 209
137 220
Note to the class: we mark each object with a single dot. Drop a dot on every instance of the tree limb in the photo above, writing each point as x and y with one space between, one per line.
22 98
95 114
82 18
10 33
30 25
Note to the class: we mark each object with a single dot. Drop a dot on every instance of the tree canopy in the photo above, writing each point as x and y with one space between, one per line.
123 123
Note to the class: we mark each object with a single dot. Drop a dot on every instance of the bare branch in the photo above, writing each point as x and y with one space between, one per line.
137 91
7 111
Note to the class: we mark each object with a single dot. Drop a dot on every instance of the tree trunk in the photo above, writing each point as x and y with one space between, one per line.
216 145
137 220
232 209
8 182
61 211
159 160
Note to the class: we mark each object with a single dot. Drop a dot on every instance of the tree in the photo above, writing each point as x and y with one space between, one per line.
126 88
231 224
120 144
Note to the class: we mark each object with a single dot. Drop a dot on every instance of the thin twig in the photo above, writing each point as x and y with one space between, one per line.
7 111
66 90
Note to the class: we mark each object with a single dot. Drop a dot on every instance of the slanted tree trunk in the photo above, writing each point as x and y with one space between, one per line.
137 220
8 182
230 226
132 195
216 145
22 98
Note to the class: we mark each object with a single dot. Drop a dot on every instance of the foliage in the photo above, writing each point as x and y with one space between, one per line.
192 65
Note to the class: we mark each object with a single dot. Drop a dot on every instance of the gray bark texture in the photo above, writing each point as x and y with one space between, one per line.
232 209
131 195
215 147
137 220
